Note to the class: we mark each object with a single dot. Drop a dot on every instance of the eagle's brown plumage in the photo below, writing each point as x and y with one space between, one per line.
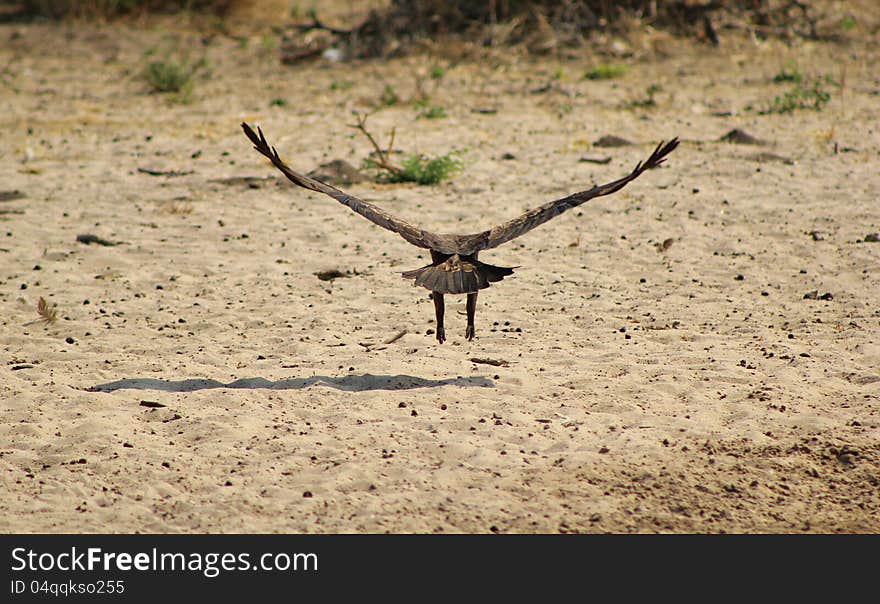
454 267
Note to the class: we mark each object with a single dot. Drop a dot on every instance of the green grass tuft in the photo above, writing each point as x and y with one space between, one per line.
789 76
649 100
420 169
812 96
607 71
429 170
170 76
847 23
389 96
431 112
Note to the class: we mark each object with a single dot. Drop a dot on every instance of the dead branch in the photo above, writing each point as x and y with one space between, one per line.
318 24
395 337
383 162
493 362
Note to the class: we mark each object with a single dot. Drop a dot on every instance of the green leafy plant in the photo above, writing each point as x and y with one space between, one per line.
341 84
811 96
417 168
789 76
606 71
649 100
847 23
425 170
389 96
170 76
431 112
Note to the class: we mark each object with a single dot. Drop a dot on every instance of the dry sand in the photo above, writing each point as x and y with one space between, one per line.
679 390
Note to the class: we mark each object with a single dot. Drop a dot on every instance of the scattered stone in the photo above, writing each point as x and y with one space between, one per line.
330 275
88 239
338 172
741 137
251 182
814 295
11 195
595 160
609 140
152 172
764 157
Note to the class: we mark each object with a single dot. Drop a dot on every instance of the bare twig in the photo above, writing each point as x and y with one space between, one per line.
318 24
395 337
152 172
383 161
493 362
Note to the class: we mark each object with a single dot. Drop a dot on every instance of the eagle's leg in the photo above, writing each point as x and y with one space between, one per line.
471 310
439 310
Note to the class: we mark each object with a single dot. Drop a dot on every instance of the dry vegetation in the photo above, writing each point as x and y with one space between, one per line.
104 9
696 354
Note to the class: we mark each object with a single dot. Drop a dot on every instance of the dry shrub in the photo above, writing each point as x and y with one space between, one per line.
546 25
55 9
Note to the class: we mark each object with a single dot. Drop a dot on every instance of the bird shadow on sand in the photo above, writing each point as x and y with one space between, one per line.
349 383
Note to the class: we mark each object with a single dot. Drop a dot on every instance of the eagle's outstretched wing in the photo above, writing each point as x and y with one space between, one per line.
457 244
416 236
538 216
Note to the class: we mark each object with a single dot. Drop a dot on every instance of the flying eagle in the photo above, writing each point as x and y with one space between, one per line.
454 267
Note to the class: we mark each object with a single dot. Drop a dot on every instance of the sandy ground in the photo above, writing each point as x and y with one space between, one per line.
691 389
